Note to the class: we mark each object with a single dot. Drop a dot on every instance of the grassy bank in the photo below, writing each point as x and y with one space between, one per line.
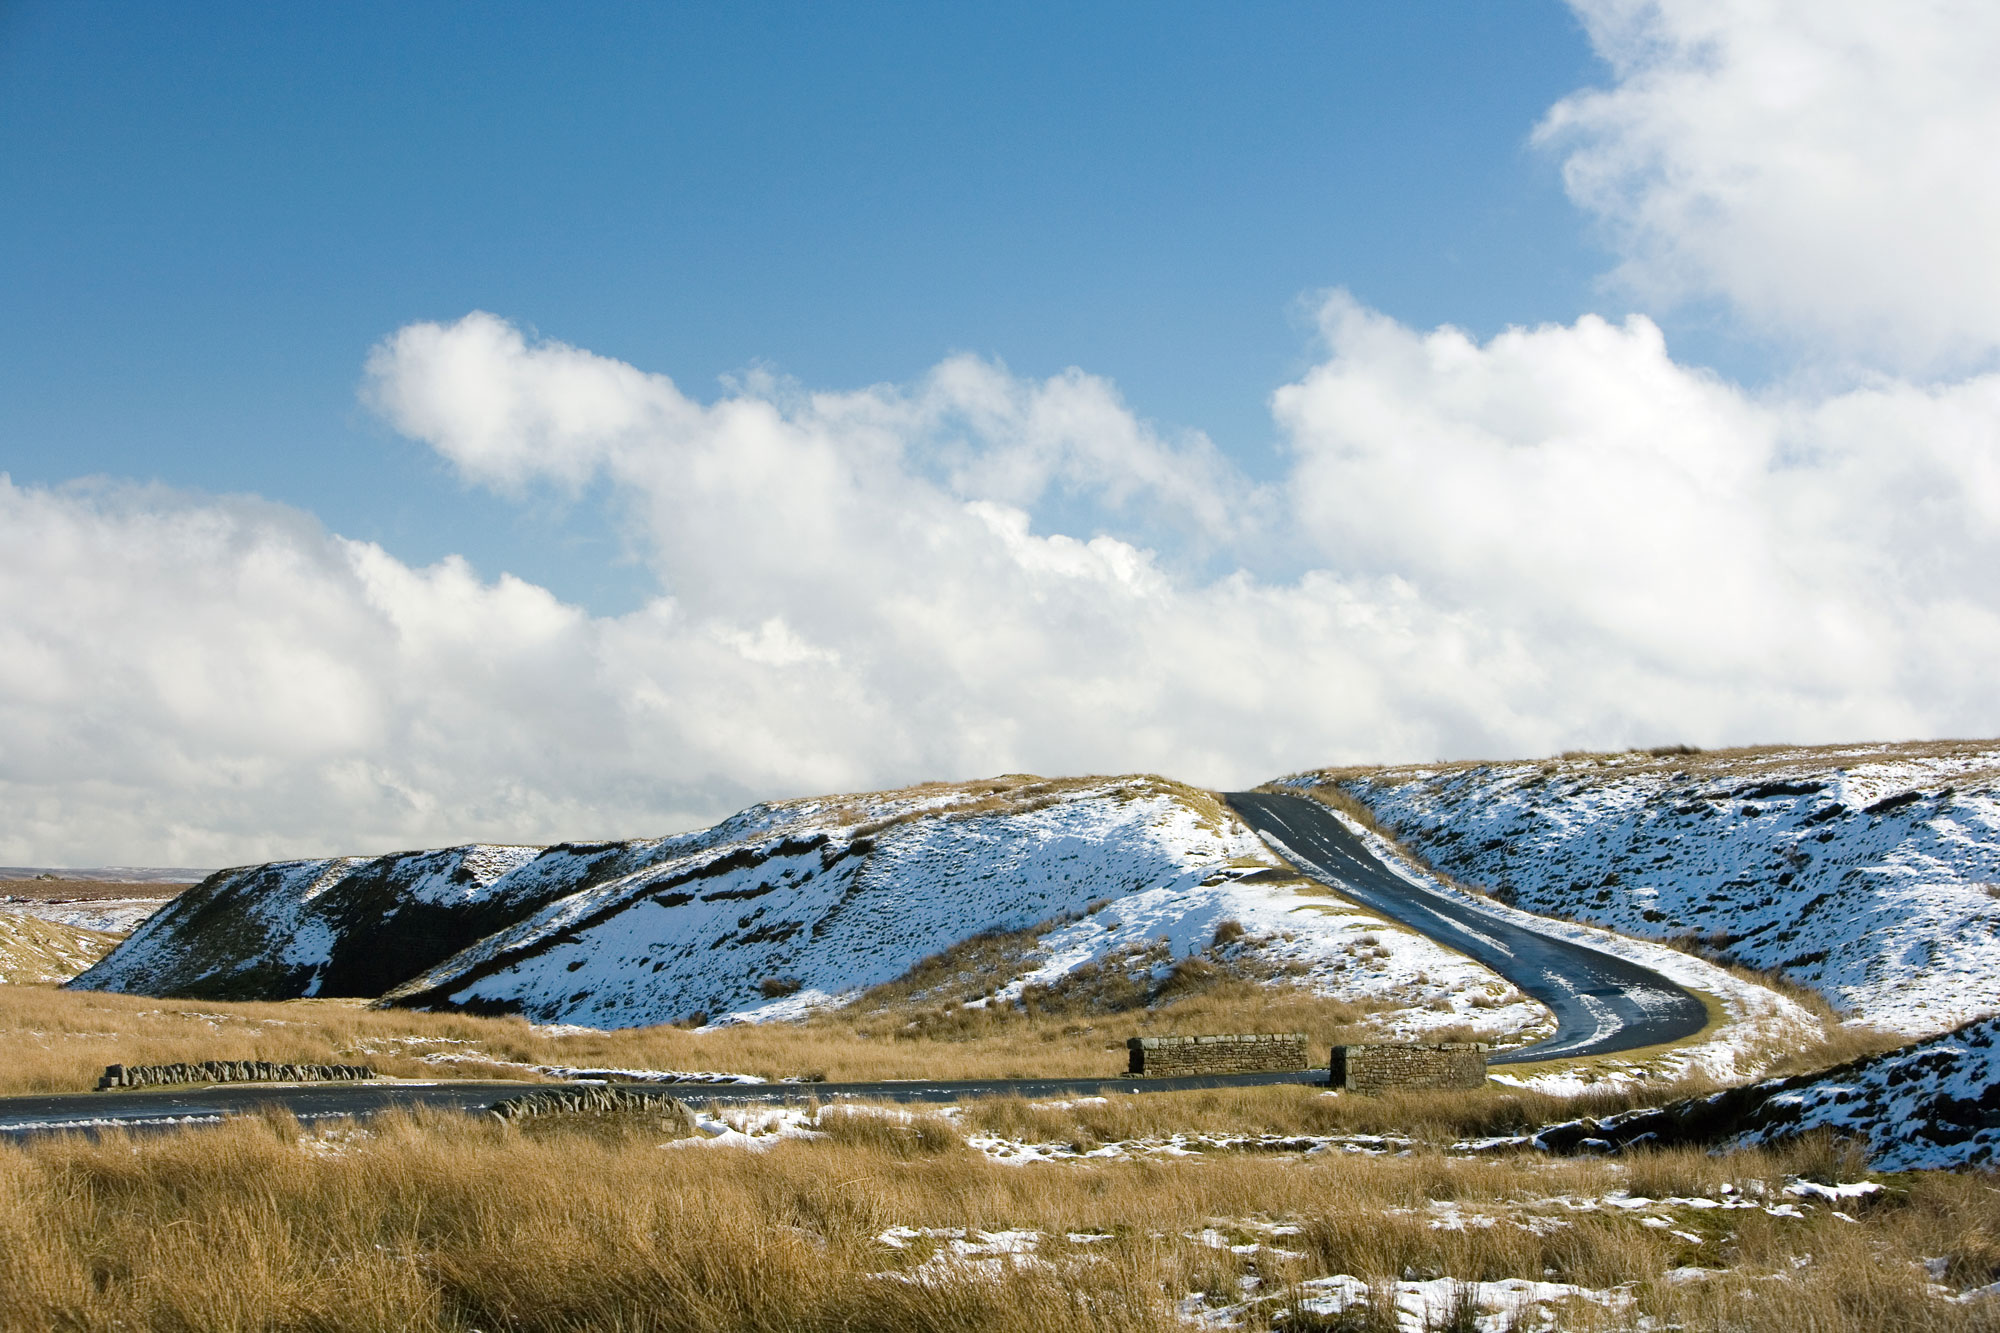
60 1040
456 1224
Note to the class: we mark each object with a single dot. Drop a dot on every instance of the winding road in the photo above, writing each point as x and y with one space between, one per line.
1602 1004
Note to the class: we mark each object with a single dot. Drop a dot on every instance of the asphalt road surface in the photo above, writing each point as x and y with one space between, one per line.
1602 1004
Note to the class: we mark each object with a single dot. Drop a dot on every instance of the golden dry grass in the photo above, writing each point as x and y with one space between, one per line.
434 1223
1436 1119
61 1040
36 951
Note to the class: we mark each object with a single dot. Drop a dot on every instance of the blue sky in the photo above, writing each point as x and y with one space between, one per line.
430 422
215 210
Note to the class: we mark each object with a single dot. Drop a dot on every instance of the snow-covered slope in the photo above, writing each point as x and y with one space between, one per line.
798 904
1867 872
348 926
1932 1104
823 899
1757 1021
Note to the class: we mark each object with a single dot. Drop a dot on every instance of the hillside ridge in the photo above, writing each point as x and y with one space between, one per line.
785 908
1870 873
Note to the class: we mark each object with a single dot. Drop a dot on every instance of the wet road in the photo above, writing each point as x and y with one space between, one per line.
169 1108
1602 1004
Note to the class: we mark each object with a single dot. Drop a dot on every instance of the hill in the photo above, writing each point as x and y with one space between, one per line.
1122 887
1870 873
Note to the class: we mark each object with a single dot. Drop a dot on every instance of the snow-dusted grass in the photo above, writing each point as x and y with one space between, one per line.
452 1223
1863 871
1281 1119
37 951
113 906
117 917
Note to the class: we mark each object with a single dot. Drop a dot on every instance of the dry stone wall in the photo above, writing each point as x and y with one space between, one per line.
1251 1053
228 1071
1382 1066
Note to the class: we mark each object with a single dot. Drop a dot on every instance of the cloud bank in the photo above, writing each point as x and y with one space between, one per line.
1559 536
1822 166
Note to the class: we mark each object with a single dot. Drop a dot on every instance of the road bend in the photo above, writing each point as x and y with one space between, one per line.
1602 1004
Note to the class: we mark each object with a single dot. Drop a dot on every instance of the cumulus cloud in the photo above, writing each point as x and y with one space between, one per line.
508 415
1821 165
1558 536
1614 507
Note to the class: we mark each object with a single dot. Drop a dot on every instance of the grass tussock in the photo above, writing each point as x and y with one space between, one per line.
451 1224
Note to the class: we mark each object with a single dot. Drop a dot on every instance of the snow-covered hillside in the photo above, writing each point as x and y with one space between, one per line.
800 904
1871 873
1933 1104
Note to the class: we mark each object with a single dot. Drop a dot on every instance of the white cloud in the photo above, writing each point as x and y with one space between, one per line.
1825 166
1557 537
1636 518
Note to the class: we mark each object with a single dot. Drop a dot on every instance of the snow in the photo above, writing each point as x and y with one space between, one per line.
290 924
1331 945
619 1075
1512 1303
1867 872
1812 1189
799 905
1930 1105
117 916
1503 1305
1018 1152
793 901
755 1129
